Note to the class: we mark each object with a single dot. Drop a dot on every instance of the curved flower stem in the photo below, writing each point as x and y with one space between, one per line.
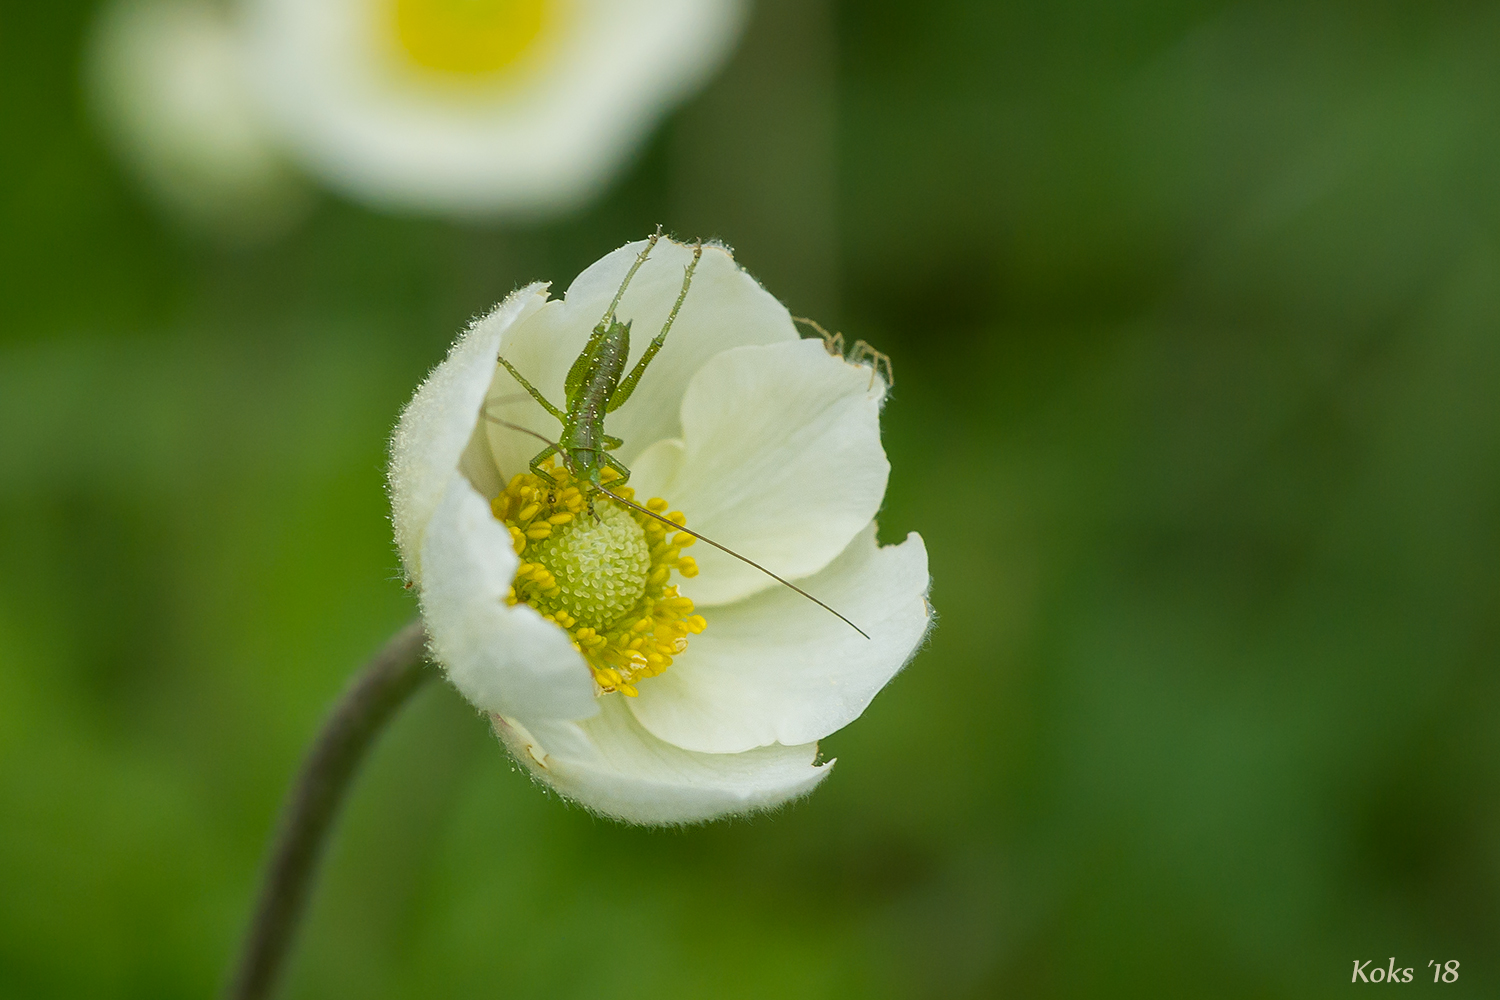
366 706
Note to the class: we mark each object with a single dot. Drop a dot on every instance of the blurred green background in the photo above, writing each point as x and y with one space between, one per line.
1195 315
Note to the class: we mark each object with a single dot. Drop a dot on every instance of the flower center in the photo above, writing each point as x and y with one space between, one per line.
469 38
605 579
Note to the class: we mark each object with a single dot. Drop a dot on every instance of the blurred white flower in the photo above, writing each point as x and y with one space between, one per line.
477 106
464 107
165 79
638 695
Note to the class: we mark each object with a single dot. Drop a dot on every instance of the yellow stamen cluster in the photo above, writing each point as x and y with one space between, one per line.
601 576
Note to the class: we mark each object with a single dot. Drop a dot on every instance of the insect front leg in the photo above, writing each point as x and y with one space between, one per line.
611 442
532 389
618 466
628 386
538 463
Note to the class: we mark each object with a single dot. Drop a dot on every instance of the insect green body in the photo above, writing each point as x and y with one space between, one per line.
595 387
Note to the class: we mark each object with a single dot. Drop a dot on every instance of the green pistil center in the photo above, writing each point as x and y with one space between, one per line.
600 566
605 580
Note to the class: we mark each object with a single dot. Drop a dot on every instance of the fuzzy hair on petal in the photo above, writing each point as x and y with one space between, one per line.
613 767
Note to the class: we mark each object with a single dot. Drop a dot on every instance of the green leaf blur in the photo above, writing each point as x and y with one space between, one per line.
1195 315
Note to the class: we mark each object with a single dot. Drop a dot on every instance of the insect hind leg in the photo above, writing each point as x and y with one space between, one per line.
651 241
622 393
579 371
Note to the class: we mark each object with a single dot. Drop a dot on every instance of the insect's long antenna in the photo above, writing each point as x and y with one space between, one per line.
517 427
677 527
704 538
640 259
512 397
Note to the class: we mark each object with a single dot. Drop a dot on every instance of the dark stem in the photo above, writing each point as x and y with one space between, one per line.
366 706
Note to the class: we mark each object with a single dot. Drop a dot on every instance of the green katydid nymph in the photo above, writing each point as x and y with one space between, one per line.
623 614
594 387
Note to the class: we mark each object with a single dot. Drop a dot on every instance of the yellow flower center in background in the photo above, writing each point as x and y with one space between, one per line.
469 37
605 579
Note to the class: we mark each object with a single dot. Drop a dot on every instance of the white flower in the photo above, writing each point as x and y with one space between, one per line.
466 107
766 442
473 106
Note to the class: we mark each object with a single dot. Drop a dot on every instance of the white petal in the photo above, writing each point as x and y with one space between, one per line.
781 462
503 659
436 426
725 308
542 138
777 668
609 764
